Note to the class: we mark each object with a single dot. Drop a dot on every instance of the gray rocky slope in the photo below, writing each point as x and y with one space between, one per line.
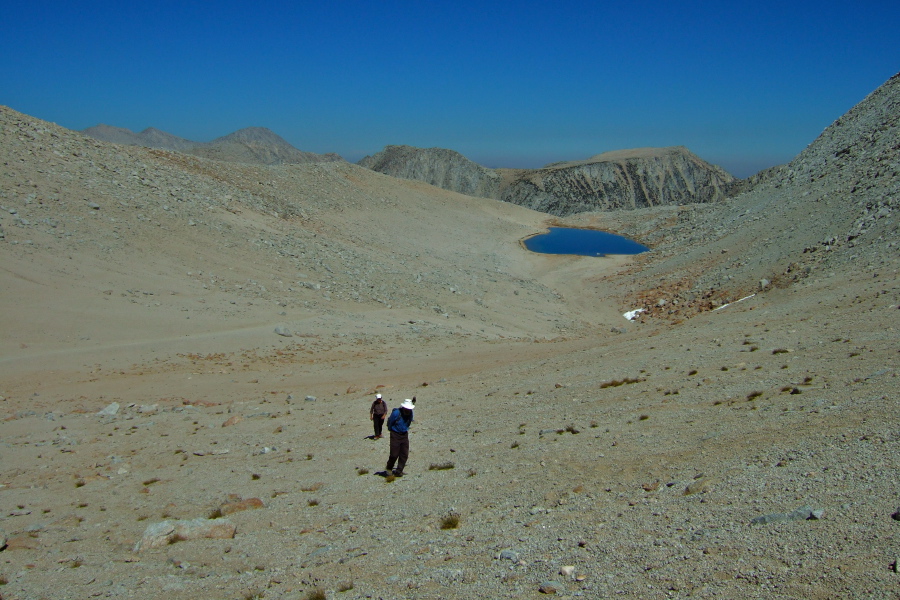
748 452
834 205
251 145
624 179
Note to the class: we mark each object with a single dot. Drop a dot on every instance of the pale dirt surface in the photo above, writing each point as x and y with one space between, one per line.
574 434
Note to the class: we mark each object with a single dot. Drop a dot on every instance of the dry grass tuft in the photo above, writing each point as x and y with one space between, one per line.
618 382
441 466
451 521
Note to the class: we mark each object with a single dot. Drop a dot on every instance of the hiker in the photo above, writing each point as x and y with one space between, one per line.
398 424
377 413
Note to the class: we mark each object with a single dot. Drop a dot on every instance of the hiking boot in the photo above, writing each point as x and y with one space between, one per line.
398 473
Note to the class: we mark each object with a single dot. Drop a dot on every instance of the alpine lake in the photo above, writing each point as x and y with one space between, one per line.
581 242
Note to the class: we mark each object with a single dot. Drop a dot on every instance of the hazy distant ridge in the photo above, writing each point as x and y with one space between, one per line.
251 145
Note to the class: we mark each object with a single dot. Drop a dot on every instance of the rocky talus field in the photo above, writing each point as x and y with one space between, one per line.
190 347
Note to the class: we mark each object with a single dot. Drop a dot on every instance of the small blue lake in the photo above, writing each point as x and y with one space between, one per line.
582 242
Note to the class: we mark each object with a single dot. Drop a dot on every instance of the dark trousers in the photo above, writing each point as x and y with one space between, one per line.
399 451
378 422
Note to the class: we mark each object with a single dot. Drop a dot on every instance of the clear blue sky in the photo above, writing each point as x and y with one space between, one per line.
507 84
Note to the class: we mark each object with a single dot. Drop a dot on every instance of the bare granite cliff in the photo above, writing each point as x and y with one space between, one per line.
624 179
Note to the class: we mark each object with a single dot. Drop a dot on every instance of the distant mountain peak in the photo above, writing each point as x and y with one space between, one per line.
252 145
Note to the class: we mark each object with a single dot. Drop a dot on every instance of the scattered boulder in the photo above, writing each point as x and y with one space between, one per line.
233 421
283 331
699 486
158 535
22 542
804 513
240 505
508 554
110 411
549 587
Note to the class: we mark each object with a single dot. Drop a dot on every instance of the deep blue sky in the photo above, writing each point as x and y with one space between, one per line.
508 84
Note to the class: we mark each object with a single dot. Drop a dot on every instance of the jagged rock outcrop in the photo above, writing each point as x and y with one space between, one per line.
251 145
442 168
624 179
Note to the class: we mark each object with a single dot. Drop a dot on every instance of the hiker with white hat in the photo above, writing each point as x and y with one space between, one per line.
398 424
377 413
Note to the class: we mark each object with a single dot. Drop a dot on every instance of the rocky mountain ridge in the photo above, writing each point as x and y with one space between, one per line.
250 145
446 169
624 179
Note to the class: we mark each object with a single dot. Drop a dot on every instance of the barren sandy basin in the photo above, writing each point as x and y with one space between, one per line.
746 452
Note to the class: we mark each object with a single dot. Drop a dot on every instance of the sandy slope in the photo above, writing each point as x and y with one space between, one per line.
572 443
